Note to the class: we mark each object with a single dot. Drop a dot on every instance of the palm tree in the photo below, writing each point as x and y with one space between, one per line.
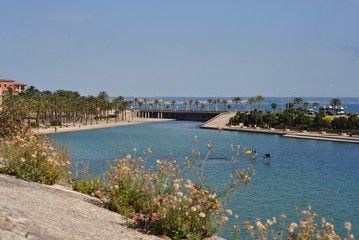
185 105
197 103
298 100
250 101
274 106
209 101
190 102
173 103
305 105
145 101
217 101
259 99
224 102
335 102
237 100
315 104
157 102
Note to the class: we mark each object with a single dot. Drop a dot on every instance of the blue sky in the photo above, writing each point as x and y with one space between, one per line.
183 48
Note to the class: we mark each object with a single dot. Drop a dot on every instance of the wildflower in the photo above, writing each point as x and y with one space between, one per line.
180 194
153 217
348 226
269 222
260 226
283 216
249 152
135 149
136 220
294 225
176 186
351 236
212 196
202 215
149 150
193 209
236 216
229 211
22 159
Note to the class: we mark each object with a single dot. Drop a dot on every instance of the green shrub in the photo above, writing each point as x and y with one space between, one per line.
33 158
161 201
55 123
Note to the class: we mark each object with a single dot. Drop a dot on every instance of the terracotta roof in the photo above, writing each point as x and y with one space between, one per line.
17 83
6 80
12 81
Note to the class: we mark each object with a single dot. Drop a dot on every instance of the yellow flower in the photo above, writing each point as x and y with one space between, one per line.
149 150
249 152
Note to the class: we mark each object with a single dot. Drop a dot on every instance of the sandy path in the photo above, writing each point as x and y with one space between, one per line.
101 124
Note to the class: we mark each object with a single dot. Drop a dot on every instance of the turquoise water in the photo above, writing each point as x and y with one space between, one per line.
322 174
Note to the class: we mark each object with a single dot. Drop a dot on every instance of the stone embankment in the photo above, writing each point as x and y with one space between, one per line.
36 211
222 121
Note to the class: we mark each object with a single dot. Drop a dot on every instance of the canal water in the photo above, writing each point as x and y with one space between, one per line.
302 172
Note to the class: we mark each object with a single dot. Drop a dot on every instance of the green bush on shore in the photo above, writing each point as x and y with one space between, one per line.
33 158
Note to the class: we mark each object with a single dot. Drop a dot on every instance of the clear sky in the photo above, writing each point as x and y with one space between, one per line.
183 48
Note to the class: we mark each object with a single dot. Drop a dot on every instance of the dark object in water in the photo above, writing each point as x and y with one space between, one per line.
266 158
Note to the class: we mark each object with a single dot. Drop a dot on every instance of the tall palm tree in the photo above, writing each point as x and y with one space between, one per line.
259 99
274 106
157 102
237 100
335 102
197 103
173 103
217 101
315 104
224 102
145 101
190 103
209 101
298 100
305 105
185 105
250 101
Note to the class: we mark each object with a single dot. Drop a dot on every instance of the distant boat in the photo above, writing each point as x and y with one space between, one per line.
329 110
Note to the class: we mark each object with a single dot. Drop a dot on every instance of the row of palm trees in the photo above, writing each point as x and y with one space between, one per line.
67 107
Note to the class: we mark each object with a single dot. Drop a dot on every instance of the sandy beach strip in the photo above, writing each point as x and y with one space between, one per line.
101 124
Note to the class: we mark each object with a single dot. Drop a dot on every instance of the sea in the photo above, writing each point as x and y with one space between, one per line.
301 172
350 104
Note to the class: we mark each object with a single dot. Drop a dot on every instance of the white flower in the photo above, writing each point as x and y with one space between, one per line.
202 215
229 211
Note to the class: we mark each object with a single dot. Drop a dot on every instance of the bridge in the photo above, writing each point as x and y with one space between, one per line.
189 115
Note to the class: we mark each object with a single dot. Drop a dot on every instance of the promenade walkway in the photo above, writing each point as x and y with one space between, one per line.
222 120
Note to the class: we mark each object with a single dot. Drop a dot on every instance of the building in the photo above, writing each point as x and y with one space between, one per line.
16 87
